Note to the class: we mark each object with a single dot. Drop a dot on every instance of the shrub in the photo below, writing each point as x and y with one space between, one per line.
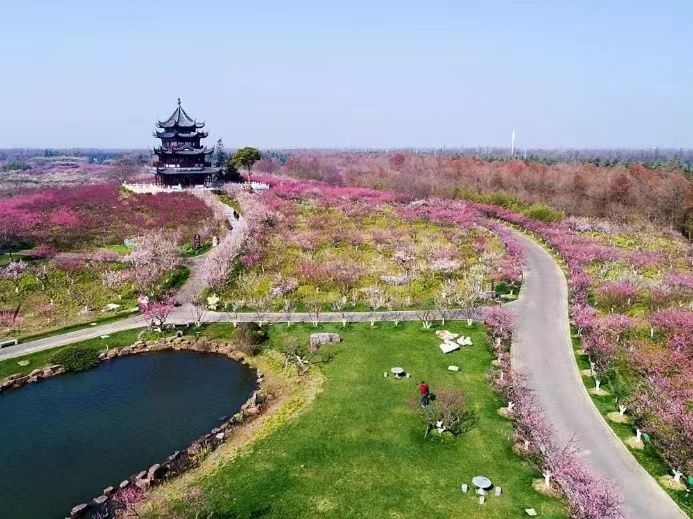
76 358
544 213
248 337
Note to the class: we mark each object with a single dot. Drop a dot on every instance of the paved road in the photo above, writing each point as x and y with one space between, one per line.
542 351
54 341
184 315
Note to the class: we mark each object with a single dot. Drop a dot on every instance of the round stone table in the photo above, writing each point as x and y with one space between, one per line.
482 482
397 372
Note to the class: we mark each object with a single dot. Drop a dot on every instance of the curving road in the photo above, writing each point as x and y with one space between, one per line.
542 351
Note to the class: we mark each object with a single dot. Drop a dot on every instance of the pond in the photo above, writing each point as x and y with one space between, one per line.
63 440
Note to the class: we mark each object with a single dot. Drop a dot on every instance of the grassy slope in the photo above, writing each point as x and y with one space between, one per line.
359 450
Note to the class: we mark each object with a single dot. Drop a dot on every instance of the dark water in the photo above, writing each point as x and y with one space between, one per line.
65 439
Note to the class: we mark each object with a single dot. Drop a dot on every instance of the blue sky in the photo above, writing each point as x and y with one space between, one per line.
357 73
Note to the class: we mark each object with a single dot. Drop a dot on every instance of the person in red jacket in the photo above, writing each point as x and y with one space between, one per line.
425 393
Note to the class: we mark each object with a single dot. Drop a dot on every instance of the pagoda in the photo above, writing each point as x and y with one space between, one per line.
182 159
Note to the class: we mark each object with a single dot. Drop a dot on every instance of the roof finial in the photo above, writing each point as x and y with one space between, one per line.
179 101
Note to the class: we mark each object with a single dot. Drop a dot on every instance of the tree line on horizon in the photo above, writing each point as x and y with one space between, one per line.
630 192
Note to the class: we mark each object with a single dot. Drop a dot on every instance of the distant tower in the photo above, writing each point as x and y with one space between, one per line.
182 159
512 144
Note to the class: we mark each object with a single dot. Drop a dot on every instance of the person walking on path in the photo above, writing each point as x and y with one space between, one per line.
425 393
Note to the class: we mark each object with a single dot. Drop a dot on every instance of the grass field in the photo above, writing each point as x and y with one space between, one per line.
358 450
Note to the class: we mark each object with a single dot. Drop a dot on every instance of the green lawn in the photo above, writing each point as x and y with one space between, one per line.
359 451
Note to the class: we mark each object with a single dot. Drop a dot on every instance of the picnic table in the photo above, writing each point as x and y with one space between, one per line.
398 372
482 482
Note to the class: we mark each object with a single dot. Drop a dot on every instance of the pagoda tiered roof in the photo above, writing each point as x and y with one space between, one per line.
183 150
180 119
182 158
171 134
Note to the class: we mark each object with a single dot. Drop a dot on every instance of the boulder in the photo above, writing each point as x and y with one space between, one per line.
79 510
19 382
108 491
143 484
251 411
124 484
173 456
194 448
446 336
320 338
220 436
36 373
154 471
100 500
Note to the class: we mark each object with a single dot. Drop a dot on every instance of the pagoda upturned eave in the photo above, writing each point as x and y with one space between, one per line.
180 135
168 125
184 151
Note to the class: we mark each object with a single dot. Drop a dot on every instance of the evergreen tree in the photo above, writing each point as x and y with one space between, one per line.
219 156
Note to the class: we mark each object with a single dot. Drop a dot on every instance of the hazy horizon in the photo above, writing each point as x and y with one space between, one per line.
385 75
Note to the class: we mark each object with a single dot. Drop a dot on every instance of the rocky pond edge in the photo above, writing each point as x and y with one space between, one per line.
179 461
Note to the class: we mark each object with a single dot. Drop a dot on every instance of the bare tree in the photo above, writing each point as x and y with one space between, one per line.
198 310
426 317
289 308
315 311
338 306
297 355
447 413
236 305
